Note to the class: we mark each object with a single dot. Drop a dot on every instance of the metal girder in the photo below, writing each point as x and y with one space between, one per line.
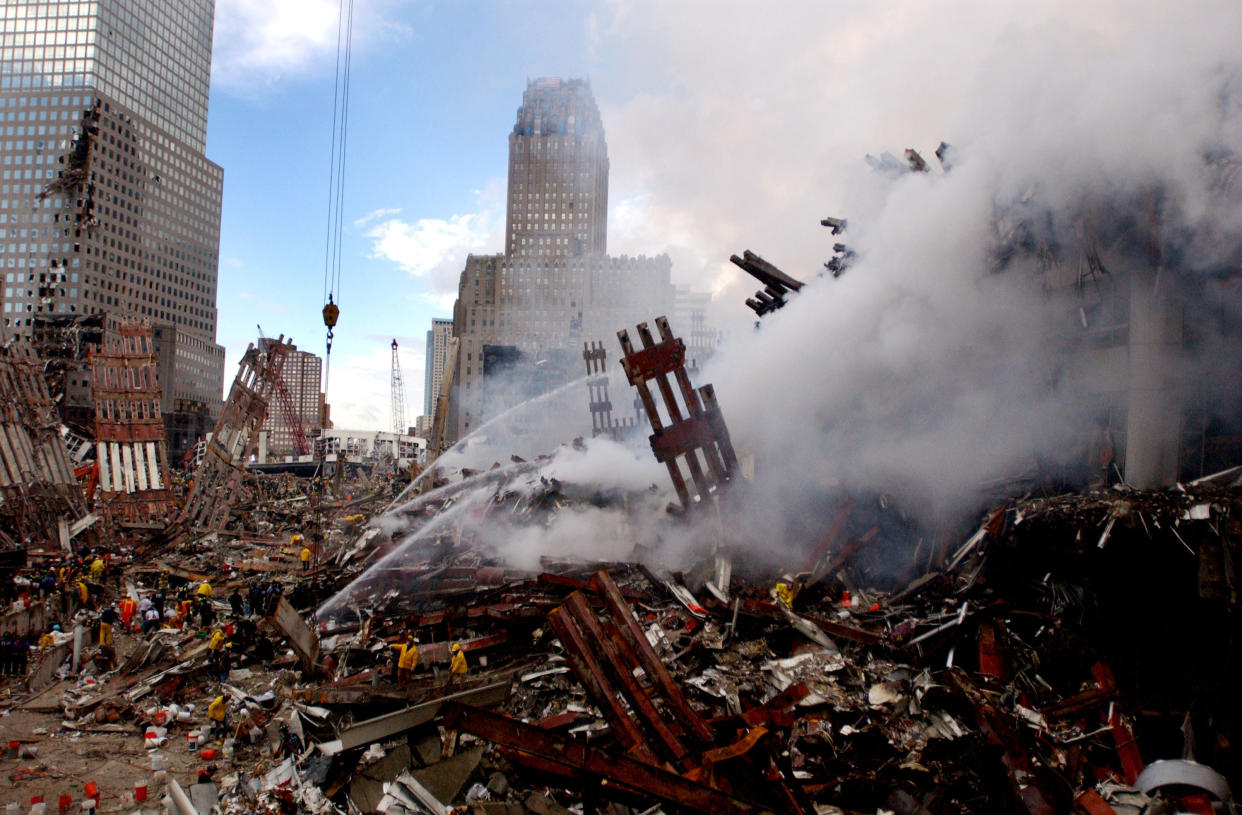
390 724
618 679
696 435
622 616
1024 786
1123 733
300 635
235 437
627 774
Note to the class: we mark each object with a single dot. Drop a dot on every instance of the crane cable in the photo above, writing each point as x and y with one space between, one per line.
336 178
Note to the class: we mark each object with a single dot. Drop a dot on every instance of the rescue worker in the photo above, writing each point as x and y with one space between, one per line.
47 640
84 594
204 591
128 607
97 569
236 604
306 558
457 668
783 594
407 658
217 640
150 620
217 712
106 621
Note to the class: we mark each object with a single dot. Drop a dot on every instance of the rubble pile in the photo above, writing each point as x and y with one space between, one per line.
1046 662
556 635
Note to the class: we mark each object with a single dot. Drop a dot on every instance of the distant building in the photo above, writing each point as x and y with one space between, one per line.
534 317
521 317
437 357
558 173
108 204
303 378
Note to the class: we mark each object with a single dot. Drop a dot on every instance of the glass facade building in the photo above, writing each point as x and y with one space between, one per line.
107 201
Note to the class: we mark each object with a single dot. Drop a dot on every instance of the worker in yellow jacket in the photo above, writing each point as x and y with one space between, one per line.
407 658
457 667
306 558
217 713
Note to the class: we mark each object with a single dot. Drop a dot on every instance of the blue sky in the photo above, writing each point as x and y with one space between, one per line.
730 125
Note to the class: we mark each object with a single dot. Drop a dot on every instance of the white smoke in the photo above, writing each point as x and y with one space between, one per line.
921 370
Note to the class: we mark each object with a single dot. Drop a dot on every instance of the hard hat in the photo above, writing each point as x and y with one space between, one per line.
56 627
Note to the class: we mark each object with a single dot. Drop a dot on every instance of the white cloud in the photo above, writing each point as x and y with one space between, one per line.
421 246
382 212
360 391
259 43
435 249
267 40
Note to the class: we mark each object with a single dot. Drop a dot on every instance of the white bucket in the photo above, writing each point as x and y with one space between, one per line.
157 762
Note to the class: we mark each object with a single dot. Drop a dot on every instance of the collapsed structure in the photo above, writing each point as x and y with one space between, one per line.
550 633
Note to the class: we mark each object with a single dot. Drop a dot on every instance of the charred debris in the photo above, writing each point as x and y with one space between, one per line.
221 639
1071 653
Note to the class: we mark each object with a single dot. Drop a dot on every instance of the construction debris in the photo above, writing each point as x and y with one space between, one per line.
700 431
129 431
235 438
311 645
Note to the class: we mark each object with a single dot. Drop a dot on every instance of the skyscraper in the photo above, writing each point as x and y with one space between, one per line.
107 203
558 173
437 355
521 317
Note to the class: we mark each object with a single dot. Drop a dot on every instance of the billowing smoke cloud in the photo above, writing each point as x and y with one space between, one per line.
930 367
923 369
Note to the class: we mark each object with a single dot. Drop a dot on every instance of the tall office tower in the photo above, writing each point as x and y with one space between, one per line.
437 355
107 202
521 317
558 172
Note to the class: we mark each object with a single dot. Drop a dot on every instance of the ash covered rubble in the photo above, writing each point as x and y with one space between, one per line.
1070 653
602 630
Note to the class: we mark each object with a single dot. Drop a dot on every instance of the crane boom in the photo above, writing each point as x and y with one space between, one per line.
292 418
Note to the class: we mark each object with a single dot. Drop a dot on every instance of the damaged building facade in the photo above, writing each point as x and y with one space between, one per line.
108 204
1148 328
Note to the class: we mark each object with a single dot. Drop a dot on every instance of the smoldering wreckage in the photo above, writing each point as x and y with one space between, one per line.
1061 651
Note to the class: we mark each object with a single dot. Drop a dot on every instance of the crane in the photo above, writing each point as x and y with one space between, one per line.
398 394
292 418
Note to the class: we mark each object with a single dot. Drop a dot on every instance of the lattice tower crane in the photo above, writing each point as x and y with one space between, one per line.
398 394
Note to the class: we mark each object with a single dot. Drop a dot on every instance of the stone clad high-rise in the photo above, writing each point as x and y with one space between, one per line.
108 204
558 173
521 317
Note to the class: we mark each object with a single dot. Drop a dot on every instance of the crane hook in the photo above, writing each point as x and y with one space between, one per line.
330 313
